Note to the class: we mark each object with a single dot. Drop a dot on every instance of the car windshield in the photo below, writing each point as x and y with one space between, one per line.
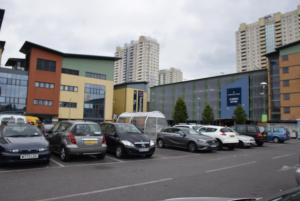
127 128
23 130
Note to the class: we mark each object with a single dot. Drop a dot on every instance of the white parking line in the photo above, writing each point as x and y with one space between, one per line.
114 159
106 189
56 162
282 156
230 167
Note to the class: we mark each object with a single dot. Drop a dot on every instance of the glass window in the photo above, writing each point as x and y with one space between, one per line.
46 65
285 70
286 83
286 96
286 110
285 57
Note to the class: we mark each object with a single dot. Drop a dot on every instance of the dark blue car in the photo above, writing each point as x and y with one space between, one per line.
23 142
277 134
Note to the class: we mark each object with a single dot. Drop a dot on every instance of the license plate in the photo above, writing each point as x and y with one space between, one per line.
143 149
213 145
29 156
231 135
90 142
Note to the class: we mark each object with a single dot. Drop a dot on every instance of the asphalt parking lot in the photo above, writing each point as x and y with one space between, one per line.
255 172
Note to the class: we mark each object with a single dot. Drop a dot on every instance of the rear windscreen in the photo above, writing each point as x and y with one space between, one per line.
87 129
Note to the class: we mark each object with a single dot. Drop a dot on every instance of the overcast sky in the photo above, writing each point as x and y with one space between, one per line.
196 36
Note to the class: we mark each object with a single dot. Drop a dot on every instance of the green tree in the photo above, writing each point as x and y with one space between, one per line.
239 115
207 115
180 114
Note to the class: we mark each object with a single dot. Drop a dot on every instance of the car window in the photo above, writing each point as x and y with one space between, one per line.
210 130
224 130
63 127
21 131
167 130
87 129
127 128
202 129
252 129
240 128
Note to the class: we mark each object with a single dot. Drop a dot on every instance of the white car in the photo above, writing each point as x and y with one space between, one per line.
224 135
245 141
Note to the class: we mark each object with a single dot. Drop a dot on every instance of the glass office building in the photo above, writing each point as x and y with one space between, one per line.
94 99
223 93
13 90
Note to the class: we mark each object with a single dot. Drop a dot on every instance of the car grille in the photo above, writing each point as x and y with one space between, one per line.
28 151
142 144
211 142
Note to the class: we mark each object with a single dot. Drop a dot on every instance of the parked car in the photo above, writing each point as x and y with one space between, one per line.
245 141
196 127
69 138
125 139
277 134
224 136
23 142
186 138
251 130
12 118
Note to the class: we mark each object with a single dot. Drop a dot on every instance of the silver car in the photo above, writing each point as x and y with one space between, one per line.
69 138
298 176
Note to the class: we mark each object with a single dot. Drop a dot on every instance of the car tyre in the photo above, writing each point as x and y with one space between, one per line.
192 147
276 140
219 144
241 144
119 152
64 154
160 143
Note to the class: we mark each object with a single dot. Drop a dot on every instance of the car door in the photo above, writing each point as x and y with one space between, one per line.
164 135
175 137
181 138
58 135
112 137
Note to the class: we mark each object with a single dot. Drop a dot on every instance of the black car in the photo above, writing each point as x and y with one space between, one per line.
125 139
253 131
186 138
23 142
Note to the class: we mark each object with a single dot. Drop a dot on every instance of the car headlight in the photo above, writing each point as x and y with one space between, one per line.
42 149
127 143
14 150
152 143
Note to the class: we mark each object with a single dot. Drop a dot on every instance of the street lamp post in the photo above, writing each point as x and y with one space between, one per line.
264 84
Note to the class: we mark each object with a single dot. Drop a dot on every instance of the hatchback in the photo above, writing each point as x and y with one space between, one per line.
69 138
252 131
186 138
23 142
277 134
125 139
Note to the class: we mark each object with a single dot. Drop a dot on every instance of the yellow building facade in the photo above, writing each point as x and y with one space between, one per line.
130 97
76 96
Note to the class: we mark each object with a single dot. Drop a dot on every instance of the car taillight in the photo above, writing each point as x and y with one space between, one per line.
71 138
223 133
103 140
259 135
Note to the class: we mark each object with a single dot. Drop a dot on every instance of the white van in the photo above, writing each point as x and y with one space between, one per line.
12 118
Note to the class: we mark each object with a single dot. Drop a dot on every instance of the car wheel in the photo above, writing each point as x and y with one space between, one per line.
231 147
101 156
275 140
241 144
219 144
160 143
119 152
149 155
259 144
192 147
64 155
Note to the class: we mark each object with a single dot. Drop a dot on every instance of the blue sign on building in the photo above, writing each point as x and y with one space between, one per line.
234 97
234 93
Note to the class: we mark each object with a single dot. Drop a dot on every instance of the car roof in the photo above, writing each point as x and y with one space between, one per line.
78 122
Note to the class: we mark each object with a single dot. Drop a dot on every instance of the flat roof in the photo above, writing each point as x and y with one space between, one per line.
129 83
26 47
218 76
2 11
13 61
